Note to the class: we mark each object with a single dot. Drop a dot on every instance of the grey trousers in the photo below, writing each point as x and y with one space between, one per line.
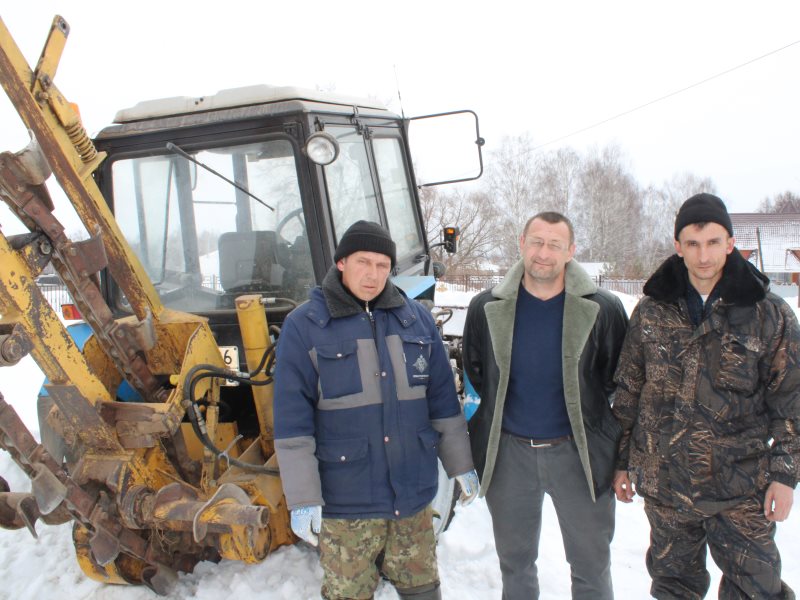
522 475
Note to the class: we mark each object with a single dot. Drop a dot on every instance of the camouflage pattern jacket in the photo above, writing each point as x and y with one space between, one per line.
710 414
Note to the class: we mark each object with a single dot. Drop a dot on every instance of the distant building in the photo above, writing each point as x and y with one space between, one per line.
771 242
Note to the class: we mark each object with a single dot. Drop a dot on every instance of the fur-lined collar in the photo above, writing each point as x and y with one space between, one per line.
741 284
342 304
577 281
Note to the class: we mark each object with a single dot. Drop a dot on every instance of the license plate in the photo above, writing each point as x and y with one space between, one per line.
230 355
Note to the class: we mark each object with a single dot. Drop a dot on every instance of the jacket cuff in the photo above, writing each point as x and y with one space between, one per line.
784 478
454 450
299 471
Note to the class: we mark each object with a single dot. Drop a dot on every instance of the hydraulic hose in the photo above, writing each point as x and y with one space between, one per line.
205 370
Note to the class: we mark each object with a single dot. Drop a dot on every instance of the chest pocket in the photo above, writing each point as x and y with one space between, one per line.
417 356
659 346
738 363
339 373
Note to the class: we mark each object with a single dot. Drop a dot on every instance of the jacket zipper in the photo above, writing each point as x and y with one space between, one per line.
371 321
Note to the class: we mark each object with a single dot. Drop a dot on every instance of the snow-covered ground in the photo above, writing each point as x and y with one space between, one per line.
46 568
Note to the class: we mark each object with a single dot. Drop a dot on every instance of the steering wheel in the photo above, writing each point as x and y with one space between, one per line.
296 213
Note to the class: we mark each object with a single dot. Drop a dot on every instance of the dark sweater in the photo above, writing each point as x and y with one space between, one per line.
535 406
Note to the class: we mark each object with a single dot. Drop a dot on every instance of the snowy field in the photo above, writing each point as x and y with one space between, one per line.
46 568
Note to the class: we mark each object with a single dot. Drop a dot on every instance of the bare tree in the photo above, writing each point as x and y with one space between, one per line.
615 220
472 214
675 191
511 184
659 207
608 211
787 202
556 178
656 233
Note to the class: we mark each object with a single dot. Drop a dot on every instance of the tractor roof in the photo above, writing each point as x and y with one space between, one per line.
236 97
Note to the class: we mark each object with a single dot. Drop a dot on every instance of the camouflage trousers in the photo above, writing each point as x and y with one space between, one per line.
355 552
741 541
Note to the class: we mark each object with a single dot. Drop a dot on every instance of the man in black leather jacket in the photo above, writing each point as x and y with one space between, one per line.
541 349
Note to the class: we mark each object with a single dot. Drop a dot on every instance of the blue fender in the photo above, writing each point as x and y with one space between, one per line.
471 398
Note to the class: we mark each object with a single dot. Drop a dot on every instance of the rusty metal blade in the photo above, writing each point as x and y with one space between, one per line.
47 489
29 513
227 491
9 516
160 578
105 547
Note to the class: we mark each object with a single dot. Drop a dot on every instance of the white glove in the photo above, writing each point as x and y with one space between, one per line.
469 487
306 522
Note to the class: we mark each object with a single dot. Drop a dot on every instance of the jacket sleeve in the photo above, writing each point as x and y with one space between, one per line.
293 407
782 397
472 347
630 379
454 450
444 409
611 344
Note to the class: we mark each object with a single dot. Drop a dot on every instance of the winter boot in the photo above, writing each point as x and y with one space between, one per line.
429 591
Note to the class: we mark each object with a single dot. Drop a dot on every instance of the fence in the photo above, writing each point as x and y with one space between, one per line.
57 294
471 283
476 283
632 287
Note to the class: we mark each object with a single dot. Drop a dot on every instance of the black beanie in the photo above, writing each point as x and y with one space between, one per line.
703 208
365 236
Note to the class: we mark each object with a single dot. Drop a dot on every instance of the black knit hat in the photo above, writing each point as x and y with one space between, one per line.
703 208
365 236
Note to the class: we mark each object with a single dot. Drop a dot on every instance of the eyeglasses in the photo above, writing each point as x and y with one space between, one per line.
538 243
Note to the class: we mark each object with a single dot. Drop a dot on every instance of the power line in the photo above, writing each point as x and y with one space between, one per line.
661 98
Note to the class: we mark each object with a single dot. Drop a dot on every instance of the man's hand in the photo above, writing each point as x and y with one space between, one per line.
469 487
778 501
306 522
623 487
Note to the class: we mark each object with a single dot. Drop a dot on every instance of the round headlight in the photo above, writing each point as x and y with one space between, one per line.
322 148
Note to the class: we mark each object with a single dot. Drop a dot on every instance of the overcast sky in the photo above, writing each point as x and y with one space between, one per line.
546 68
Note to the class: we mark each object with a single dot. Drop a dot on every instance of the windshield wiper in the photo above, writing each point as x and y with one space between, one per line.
173 148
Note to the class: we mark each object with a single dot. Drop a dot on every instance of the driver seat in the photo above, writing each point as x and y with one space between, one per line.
248 260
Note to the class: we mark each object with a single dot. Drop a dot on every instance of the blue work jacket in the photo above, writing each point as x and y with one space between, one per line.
364 404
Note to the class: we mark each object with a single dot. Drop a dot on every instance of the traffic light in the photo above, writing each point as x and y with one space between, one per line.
451 235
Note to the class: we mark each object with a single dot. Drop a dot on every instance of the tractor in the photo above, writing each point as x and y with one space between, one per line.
208 220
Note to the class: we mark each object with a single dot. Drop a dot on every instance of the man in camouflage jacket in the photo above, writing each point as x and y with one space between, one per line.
709 400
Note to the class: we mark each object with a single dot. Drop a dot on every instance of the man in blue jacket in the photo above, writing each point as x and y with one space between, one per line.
364 405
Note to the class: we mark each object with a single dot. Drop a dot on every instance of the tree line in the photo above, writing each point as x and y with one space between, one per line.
617 221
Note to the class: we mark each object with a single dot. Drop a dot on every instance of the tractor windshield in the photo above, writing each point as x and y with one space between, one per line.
352 186
212 224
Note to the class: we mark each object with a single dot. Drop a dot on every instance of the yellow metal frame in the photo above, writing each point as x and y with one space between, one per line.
125 452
